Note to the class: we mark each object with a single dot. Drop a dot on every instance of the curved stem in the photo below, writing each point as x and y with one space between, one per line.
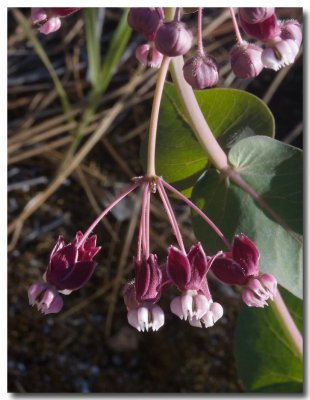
142 235
288 323
154 116
235 25
194 115
141 230
171 216
105 211
199 32
198 211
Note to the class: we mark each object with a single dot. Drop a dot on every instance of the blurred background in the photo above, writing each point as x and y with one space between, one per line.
58 98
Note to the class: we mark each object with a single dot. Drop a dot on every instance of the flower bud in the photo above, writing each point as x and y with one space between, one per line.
291 30
173 39
281 53
201 72
253 15
246 60
149 56
265 30
146 20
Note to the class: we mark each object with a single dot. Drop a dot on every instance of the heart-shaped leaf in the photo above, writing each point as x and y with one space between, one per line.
275 171
231 114
266 360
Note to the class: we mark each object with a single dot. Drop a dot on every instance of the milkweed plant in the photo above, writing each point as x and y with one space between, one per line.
245 197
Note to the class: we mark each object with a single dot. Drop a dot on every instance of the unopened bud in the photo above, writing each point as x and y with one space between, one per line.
146 20
149 56
173 39
201 72
265 30
50 26
246 60
253 15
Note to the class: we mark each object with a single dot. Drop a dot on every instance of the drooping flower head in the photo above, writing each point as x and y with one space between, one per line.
188 273
142 294
246 60
264 24
70 267
201 72
241 267
146 20
173 39
149 56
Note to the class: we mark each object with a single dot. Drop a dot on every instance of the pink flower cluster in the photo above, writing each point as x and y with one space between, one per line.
281 39
71 266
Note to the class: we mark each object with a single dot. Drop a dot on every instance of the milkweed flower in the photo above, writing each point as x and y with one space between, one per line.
241 267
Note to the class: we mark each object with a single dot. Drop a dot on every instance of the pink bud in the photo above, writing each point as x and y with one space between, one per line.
246 60
253 15
50 26
281 53
146 20
173 39
291 30
201 72
149 56
265 30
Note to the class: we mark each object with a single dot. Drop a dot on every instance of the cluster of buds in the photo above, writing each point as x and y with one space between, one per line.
48 20
281 42
71 266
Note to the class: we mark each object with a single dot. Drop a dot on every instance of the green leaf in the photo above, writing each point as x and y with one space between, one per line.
275 171
266 361
231 114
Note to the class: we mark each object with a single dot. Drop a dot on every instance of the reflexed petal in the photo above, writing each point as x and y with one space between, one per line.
148 279
78 275
178 267
199 266
228 271
246 253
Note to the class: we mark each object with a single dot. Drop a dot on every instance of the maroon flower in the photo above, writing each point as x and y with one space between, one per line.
148 279
71 265
265 30
237 266
187 271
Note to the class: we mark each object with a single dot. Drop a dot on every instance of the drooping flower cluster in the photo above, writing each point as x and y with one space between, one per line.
48 20
71 266
281 41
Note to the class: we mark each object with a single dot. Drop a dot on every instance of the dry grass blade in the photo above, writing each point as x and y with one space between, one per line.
38 200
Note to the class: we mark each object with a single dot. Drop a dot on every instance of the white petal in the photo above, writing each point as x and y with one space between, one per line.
176 307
